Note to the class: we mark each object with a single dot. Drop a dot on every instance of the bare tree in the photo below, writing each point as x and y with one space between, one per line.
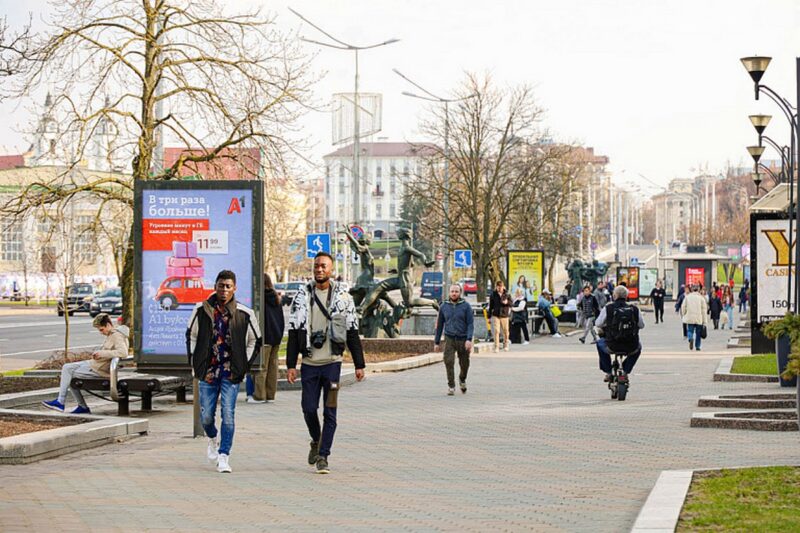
496 162
284 226
218 84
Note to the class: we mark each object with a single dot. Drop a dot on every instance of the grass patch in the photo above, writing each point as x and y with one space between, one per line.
747 499
755 364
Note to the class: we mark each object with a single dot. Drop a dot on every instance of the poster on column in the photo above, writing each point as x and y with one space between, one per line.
525 272
772 275
185 233
629 276
647 281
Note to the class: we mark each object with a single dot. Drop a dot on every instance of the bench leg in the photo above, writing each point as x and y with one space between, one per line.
180 395
147 401
123 408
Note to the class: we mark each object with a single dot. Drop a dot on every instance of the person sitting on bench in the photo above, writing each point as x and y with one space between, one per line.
115 345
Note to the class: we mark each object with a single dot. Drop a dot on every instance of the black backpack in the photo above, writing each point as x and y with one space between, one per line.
622 327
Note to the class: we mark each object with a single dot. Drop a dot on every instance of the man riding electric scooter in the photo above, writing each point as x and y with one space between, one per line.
619 324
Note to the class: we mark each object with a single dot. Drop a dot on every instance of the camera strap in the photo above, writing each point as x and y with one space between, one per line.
323 308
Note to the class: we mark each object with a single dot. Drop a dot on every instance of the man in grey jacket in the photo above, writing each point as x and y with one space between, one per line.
456 321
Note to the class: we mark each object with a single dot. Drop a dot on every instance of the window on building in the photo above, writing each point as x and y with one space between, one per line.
393 170
84 245
378 171
44 225
406 170
327 171
393 184
10 240
341 172
364 214
341 185
378 210
392 210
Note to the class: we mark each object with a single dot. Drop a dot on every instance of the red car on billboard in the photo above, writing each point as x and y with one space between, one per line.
175 291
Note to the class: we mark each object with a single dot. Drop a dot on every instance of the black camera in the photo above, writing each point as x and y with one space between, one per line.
317 339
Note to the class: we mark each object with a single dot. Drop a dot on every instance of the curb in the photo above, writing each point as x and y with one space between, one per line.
663 506
723 373
751 401
406 363
21 399
748 420
31 447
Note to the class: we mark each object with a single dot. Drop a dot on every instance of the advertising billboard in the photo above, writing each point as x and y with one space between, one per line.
772 274
525 268
647 280
695 276
186 232
629 276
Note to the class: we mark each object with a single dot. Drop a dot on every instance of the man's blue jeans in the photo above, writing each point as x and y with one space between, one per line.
226 392
605 357
693 331
316 380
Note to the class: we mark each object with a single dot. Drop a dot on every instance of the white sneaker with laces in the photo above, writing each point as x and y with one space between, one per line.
211 452
505 349
222 464
250 399
526 342
557 335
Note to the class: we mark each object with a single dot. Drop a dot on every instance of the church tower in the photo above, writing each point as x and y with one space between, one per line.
45 143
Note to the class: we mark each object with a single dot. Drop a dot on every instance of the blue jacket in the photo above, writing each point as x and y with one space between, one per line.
456 320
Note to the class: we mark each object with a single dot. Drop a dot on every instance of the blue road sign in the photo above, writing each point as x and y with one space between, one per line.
462 259
317 242
634 261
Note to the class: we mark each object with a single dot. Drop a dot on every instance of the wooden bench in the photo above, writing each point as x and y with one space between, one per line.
121 385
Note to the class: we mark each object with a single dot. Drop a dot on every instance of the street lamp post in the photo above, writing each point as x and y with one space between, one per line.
341 45
756 66
446 101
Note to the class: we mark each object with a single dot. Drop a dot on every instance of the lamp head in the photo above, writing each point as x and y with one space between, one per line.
755 153
760 122
757 180
756 66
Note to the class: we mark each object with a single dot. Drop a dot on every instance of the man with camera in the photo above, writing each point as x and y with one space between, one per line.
322 322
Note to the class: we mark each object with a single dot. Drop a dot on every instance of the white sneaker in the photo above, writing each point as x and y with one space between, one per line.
525 343
222 464
505 349
213 446
557 335
451 391
250 399
495 349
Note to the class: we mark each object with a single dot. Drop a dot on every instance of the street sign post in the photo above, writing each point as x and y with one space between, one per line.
462 259
357 231
317 242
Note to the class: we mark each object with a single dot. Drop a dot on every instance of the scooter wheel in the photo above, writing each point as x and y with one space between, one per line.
622 391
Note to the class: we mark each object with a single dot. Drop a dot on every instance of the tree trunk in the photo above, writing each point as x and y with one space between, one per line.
550 276
128 290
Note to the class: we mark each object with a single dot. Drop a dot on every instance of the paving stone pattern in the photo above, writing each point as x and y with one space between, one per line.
536 444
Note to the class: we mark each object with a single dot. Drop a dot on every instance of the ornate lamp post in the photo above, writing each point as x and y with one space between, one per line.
756 66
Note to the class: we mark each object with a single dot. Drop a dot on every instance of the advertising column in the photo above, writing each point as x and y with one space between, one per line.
526 272
186 232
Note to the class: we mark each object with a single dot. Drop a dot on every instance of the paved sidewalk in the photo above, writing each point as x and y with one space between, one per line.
536 444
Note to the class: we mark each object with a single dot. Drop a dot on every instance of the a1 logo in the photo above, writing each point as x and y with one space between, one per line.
236 205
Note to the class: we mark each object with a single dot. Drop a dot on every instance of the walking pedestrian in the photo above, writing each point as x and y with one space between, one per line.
114 345
322 322
743 297
499 308
601 294
727 305
678 303
222 340
694 311
590 310
519 318
456 322
657 296
265 380
714 310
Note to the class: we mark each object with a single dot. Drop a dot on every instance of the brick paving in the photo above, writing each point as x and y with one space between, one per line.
536 444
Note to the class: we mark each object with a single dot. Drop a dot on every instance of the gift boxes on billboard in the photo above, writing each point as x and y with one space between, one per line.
184 262
183 249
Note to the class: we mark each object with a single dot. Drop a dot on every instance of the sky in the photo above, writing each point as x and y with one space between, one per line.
657 86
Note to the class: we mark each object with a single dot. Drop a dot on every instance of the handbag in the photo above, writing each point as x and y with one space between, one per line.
703 332
556 311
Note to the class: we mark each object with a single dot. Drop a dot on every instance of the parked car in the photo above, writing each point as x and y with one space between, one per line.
109 301
175 291
469 285
79 299
288 291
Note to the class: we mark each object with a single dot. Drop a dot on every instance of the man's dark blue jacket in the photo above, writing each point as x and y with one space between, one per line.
455 319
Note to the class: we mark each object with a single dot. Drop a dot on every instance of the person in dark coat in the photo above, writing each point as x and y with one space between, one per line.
263 385
714 308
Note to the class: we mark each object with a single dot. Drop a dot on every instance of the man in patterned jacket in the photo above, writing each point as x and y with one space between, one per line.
323 320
